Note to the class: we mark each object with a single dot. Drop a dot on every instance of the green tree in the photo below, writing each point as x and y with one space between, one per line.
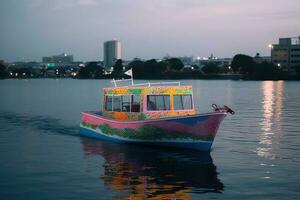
148 69
243 64
3 71
174 64
161 67
118 69
211 68
266 71
137 67
91 70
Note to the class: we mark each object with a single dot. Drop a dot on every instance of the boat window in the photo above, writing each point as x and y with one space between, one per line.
135 103
117 103
108 103
158 102
151 104
126 103
183 102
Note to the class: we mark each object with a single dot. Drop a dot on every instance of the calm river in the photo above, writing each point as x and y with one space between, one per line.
256 154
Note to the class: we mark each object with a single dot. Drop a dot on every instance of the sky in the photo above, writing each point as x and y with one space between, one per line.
31 29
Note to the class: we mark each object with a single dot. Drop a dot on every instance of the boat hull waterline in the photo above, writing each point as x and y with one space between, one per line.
194 132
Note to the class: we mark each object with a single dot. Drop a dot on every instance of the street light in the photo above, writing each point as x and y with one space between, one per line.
270 46
279 65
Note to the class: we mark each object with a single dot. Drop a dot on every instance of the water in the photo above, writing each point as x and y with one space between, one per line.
256 154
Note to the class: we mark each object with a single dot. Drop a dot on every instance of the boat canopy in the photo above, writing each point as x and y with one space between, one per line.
147 102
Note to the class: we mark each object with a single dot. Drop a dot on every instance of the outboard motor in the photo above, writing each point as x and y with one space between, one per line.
225 108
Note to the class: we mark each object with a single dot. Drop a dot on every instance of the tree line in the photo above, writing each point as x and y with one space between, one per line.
173 68
252 70
149 69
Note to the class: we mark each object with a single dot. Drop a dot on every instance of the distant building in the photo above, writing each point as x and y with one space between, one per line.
286 54
260 59
112 52
221 62
62 58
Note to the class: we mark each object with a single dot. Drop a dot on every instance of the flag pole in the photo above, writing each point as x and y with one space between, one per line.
132 77
114 81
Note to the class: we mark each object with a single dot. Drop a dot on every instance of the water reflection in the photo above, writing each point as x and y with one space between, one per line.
147 173
273 94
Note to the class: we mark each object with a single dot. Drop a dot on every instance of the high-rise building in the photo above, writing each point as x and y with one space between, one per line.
286 54
112 52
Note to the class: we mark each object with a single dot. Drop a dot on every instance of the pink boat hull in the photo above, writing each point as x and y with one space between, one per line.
194 131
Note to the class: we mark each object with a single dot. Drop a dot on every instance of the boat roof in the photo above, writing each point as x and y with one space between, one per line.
130 83
147 88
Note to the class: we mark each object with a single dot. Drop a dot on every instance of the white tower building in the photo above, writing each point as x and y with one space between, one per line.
112 52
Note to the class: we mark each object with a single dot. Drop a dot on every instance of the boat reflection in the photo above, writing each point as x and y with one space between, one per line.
272 105
150 173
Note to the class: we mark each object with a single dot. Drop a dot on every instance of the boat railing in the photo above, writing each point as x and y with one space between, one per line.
115 82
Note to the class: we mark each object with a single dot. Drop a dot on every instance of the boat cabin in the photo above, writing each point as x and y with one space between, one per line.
140 102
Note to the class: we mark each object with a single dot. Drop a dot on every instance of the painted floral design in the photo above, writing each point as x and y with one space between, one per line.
146 132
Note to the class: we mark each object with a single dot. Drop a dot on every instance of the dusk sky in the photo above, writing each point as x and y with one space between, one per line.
147 29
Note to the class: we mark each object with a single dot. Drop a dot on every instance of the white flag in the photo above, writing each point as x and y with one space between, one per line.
129 72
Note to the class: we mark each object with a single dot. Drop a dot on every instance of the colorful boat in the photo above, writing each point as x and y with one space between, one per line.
153 114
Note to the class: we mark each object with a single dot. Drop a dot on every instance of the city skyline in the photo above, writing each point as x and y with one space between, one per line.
32 29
